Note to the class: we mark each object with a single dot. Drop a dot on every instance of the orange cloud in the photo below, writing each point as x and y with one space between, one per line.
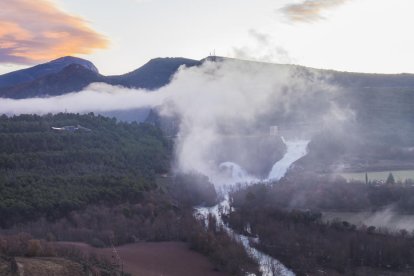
37 31
309 10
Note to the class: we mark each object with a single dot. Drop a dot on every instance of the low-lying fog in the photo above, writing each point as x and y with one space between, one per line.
386 219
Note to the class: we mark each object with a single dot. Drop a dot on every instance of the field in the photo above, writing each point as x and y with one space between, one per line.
155 258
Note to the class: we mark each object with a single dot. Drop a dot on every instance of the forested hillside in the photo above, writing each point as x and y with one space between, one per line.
286 221
98 181
46 172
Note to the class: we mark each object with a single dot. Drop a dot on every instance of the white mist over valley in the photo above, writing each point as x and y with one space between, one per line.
213 138
250 127
218 105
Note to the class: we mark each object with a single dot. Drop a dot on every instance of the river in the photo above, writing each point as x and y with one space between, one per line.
269 266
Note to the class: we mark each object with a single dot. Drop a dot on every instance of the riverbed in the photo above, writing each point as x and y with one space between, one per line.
267 265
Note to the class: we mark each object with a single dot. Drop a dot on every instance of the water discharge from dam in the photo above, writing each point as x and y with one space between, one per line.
295 151
268 266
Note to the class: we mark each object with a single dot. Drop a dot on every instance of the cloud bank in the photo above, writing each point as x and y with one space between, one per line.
309 10
98 97
37 31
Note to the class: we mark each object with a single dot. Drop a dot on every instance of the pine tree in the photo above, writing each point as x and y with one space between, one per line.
390 179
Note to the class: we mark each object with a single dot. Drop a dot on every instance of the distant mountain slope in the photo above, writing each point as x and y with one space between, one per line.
72 78
154 74
371 80
69 74
345 79
41 70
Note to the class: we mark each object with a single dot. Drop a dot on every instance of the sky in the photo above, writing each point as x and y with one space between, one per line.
119 36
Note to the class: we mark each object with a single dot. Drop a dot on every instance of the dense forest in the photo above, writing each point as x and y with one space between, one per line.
286 219
47 172
101 182
309 191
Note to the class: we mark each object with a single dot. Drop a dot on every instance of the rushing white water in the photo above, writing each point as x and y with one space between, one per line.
268 265
295 151
237 173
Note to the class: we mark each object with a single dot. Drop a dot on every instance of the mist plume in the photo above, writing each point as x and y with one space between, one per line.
218 105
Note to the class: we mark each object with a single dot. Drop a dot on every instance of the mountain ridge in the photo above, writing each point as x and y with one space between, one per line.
70 74
60 76
40 70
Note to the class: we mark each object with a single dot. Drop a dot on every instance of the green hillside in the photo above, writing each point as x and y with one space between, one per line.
46 172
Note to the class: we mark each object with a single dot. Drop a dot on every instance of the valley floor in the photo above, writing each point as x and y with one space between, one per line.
155 258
